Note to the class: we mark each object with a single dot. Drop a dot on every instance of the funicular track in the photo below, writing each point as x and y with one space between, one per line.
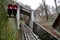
28 33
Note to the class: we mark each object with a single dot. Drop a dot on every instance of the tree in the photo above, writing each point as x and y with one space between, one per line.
45 9
42 9
56 6
58 9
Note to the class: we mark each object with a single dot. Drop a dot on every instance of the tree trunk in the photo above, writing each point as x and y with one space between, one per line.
45 9
56 6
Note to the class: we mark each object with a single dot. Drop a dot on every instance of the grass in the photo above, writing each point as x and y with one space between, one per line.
12 32
6 29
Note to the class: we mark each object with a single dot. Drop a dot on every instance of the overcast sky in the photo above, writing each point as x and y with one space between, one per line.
35 3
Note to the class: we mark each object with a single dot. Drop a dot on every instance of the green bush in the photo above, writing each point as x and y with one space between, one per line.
3 22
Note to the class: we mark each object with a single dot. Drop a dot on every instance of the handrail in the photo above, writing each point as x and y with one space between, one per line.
47 30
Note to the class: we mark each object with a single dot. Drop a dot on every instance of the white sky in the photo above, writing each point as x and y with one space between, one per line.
35 3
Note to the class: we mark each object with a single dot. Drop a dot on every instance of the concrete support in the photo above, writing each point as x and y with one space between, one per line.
18 16
31 20
18 12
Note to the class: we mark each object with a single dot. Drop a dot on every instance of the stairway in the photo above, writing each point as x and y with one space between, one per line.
19 36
